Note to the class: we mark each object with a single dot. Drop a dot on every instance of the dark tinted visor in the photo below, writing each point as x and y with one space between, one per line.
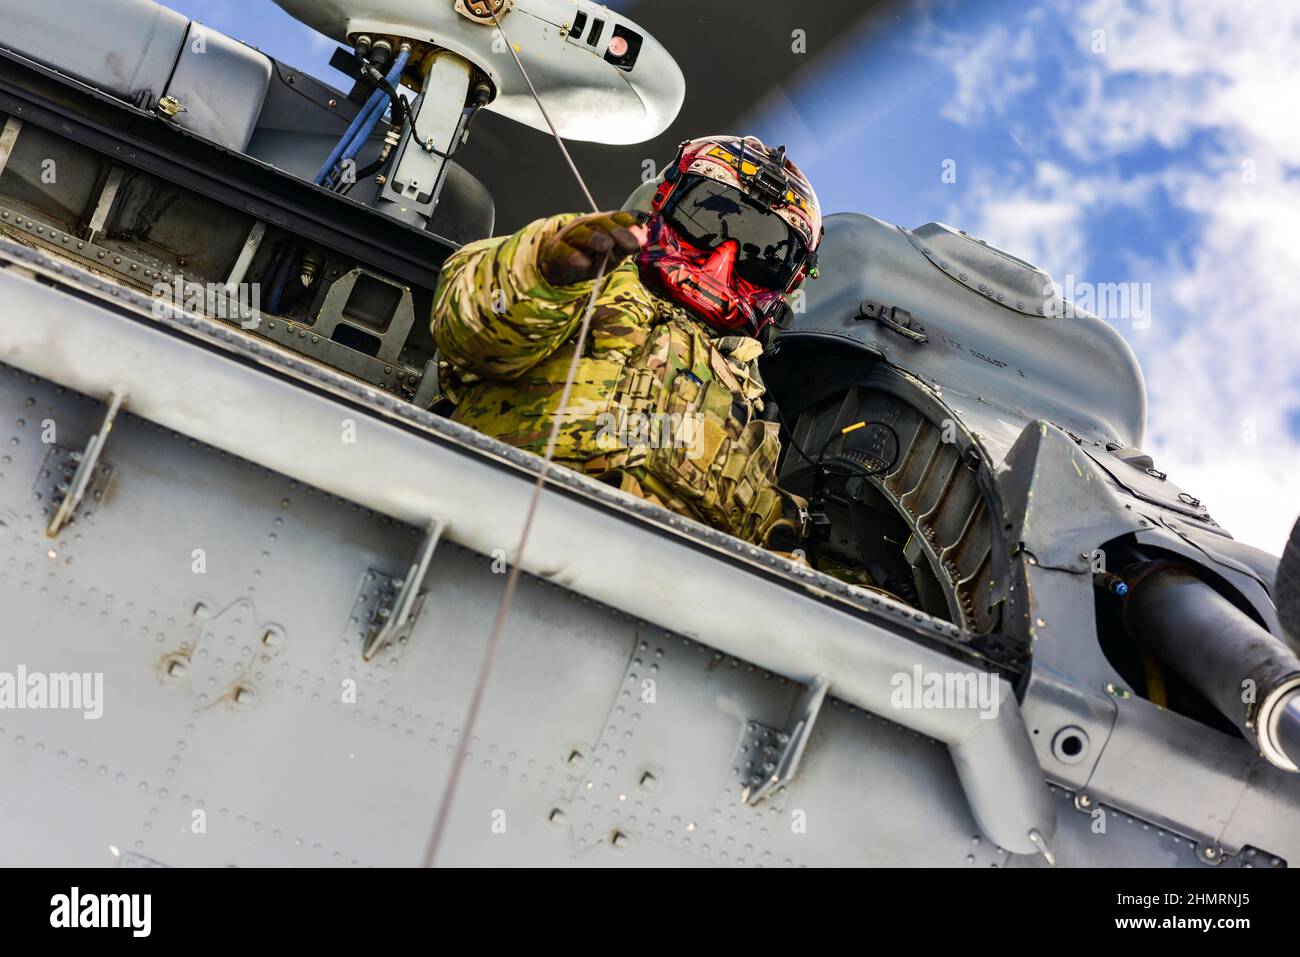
708 213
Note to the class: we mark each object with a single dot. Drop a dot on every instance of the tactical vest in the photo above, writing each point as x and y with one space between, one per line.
676 421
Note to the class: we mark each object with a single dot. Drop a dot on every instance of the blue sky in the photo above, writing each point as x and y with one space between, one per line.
1136 141
1113 141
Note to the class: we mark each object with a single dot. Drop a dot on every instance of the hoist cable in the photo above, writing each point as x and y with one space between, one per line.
516 564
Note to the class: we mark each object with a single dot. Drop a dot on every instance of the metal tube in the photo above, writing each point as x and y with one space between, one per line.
1288 726
1287 591
1251 677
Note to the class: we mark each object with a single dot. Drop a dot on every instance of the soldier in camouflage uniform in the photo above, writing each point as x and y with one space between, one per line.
667 403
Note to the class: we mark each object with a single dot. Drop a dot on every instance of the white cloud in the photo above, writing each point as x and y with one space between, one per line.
1190 65
990 71
1214 82
1223 386
1044 216
1045 230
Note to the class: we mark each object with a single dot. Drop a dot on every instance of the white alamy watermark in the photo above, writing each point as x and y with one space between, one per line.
75 909
1113 301
653 430
238 302
948 690
53 691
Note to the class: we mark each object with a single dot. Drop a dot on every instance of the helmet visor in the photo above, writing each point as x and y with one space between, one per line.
708 213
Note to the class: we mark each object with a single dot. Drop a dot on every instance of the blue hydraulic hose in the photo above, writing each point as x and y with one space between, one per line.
347 137
368 117
363 134
371 121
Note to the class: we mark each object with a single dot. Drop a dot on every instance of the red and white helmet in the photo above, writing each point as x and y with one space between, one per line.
733 227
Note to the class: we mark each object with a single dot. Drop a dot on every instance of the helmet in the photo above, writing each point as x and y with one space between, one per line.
733 226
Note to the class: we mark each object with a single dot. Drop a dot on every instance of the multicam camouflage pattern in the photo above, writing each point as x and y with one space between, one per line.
660 407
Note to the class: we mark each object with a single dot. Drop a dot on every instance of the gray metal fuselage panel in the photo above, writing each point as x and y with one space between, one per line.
609 735
294 775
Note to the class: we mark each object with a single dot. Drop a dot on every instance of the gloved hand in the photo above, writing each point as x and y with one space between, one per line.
574 255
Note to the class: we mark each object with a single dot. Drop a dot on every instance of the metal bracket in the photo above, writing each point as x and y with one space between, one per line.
480 11
390 621
417 175
86 467
429 390
392 330
777 753
246 254
8 137
107 196
893 317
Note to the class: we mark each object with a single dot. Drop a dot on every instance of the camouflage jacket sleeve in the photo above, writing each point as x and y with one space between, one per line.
494 314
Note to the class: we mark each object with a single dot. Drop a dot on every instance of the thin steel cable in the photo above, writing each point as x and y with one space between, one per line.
546 116
512 580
